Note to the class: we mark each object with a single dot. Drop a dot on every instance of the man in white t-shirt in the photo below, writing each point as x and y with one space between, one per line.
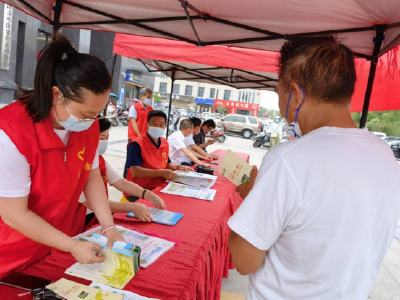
179 153
320 214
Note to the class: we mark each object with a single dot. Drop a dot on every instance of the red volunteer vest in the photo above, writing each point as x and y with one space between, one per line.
103 171
152 158
141 121
58 176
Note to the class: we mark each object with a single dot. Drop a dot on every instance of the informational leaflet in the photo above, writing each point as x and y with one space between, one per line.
71 290
189 191
151 247
127 295
194 179
235 168
119 267
161 216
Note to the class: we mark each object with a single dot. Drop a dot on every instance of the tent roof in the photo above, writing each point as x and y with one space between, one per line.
236 67
217 62
259 24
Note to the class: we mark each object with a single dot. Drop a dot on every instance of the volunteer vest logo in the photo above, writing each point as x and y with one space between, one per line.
164 155
81 153
104 179
87 167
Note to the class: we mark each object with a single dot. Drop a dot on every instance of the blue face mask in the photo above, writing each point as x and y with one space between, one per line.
155 132
73 123
293 129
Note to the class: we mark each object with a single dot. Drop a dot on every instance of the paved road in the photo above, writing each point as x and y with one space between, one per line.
387 286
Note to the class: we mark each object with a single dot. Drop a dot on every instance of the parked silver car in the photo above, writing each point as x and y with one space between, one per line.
245 125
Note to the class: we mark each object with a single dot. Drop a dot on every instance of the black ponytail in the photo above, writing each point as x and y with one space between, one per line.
61 65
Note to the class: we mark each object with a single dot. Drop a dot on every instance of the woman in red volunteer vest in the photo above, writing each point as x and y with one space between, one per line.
147 160
111 177
138 115
48 145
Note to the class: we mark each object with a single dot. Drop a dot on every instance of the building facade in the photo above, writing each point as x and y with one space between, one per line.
23 37
206 97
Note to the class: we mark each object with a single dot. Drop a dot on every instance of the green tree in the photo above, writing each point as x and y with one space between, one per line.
156 97
222 110
381 121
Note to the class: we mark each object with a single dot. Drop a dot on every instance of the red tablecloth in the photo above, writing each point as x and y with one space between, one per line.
193 269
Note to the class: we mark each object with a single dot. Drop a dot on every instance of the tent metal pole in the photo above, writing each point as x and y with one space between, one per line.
36 11
189 18
56 22
170 100
380 31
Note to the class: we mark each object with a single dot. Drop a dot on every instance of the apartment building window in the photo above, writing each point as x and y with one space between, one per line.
212 93
200 92
175 89
43 39
254 96
188 90
163 87
240 95
227 95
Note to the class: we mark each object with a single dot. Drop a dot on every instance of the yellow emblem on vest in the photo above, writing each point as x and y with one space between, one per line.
80 153
164 155
87 166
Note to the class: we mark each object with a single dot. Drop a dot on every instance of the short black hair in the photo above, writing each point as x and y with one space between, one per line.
321 65
209 123
156 113
104 124
196 121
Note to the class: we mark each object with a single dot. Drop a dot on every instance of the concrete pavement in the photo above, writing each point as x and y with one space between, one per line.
387 286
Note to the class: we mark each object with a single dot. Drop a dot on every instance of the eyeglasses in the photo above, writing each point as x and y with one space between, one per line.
95 118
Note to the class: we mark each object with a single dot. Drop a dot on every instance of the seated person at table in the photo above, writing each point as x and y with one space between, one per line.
190 143
112 178
200 138
179 152
147 161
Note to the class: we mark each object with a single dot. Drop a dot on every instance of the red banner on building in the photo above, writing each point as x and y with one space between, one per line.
233 106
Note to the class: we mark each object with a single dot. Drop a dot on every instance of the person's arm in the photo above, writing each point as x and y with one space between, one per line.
134 125
208 143
133 189
174 167
203 153
245 257
149 173
95 194
15 213
192 157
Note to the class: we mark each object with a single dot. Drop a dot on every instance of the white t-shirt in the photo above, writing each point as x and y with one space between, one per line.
188 141
325 207
15 179
112 177
176 142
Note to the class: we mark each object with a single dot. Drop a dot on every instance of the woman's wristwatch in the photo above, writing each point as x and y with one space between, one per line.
144 193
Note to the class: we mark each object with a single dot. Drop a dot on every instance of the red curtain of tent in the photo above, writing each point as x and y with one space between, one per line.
385 92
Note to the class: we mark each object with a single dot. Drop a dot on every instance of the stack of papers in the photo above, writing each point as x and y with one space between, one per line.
188 191
75 291
127 295
194 179
161 216
235 168
119 267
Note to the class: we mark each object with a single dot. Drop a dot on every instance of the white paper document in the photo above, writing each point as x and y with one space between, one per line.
151 247
194 179
127 295
189 191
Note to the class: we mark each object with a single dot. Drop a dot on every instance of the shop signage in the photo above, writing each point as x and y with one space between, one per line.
134 78
204 101
121 95
235 104
6 38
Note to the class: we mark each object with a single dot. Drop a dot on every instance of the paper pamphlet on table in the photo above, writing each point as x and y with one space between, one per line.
119 267
189 191
195 179
235 168
71 290
151 247
127 295
161 216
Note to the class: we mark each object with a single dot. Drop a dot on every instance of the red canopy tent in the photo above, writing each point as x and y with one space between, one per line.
184 61
369 27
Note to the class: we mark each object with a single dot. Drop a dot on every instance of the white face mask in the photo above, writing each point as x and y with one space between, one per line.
73 123
293 129
155 132
103 146
147 101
